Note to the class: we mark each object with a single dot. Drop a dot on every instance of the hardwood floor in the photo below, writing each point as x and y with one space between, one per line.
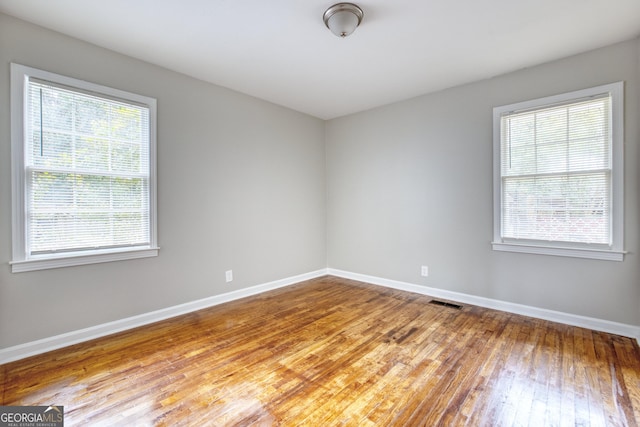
332 351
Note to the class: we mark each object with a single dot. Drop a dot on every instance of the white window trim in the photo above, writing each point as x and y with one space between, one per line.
20 262
616 251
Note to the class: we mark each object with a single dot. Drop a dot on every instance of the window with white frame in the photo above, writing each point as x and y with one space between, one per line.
83 172
558 175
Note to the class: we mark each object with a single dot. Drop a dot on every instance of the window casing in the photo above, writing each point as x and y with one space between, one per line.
558 175
83 172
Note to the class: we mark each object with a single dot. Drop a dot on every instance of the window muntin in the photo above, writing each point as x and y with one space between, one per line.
558 174
84 171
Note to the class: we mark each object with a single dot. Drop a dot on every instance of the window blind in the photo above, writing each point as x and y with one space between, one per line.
556 172
87 171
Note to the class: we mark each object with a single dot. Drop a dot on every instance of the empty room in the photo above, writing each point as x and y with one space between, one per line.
298 213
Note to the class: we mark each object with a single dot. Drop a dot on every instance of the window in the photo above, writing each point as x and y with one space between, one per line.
83 172
558 175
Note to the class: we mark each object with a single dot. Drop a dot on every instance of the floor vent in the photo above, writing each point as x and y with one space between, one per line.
445 304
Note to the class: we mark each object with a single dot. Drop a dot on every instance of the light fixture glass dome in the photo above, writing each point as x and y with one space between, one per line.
343 18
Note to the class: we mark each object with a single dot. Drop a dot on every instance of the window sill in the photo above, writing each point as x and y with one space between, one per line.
601 254
72 260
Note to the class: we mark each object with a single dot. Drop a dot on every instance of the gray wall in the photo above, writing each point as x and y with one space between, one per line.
410 184
241 186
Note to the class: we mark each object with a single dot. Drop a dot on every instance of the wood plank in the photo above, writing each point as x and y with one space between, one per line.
332 351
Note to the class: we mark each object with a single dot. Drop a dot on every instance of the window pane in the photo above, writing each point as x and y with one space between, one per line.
551 126
588 120
91 154
573 208
55 153
91 116
126 157
556 172
127 123
89 172
551 157
87 211
56 109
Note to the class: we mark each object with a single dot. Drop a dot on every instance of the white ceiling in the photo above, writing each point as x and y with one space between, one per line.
280 50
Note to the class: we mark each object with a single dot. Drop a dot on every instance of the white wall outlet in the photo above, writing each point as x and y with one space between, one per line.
425 271
228 275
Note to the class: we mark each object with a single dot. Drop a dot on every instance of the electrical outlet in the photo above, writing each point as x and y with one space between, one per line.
425 271
228 275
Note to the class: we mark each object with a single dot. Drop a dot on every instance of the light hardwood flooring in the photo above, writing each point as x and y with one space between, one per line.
331 351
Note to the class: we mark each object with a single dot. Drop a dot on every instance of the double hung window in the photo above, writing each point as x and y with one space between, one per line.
558 175
83 159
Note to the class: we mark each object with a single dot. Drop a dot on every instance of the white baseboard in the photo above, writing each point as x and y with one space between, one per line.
74 337
63 340
525 310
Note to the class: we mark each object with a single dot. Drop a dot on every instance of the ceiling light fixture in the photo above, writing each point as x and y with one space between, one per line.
343 18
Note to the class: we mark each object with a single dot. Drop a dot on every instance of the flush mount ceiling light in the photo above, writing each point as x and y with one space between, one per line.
343 18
